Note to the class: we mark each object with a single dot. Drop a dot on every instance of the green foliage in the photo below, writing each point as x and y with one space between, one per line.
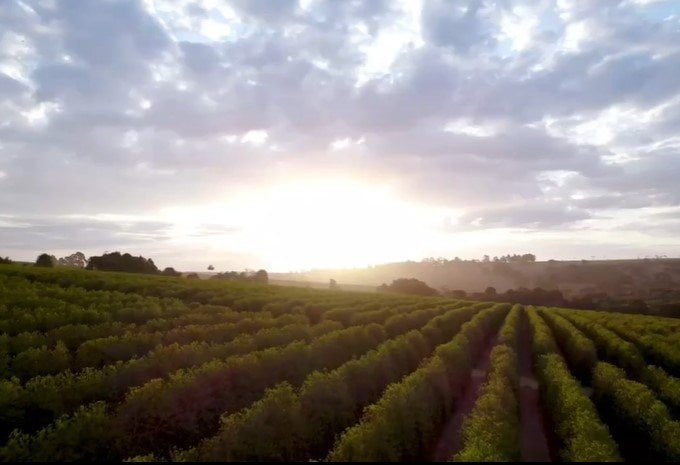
543 341
46 261
86 435
109 366
115 261
400 426
510 330
409 286
41 361
636 404
10 410
327 403
170 271
584 436
265 431
626 355
667 387
491 431
657 338
576 346
611 346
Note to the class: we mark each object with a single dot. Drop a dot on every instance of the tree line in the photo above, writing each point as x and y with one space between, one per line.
128 263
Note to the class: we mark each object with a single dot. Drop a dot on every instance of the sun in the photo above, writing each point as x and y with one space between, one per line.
304 224
336 223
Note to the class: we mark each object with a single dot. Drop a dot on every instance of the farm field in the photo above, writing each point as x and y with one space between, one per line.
111 366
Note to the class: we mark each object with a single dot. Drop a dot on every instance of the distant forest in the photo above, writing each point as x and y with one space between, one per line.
128 263
640 286
649 286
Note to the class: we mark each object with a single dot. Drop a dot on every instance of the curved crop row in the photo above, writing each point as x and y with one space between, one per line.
635 404
187 405
296 425
73 335
99 352
661 349
491 432
578 349
241 296
43 398
26 306
624 354
583 435
401 425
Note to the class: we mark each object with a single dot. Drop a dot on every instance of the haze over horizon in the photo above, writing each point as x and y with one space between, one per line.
292 135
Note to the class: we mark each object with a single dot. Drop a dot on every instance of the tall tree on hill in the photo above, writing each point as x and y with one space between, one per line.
46 260
115 261
261 276
76 260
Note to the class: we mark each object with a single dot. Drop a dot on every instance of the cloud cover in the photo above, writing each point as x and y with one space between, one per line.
556 115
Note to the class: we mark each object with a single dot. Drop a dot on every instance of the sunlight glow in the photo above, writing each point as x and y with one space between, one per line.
301 225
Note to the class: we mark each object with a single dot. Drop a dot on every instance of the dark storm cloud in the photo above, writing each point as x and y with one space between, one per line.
113 107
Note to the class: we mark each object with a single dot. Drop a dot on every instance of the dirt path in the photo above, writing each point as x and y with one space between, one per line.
539 443
451 440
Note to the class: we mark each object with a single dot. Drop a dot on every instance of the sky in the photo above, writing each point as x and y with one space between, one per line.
306 134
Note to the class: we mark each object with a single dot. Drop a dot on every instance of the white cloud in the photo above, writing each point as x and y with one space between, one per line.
40 114
346 142
255 137
570 107
575 35
464 126
519 27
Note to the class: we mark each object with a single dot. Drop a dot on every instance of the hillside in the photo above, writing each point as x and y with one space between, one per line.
102 366
643 278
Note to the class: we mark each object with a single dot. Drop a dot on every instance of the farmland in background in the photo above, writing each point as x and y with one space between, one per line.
112 366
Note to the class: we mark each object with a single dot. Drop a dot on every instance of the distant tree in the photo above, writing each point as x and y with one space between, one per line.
211 268
46 260
408 286
192 276
333 284
486 259
170 271
5 261
115 261
456 294
261 276
490 291
76 260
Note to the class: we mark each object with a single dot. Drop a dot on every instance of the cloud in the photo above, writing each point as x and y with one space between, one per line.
539 215
131 107
50 233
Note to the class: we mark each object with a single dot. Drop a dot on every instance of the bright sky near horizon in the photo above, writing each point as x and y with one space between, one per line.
315 133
